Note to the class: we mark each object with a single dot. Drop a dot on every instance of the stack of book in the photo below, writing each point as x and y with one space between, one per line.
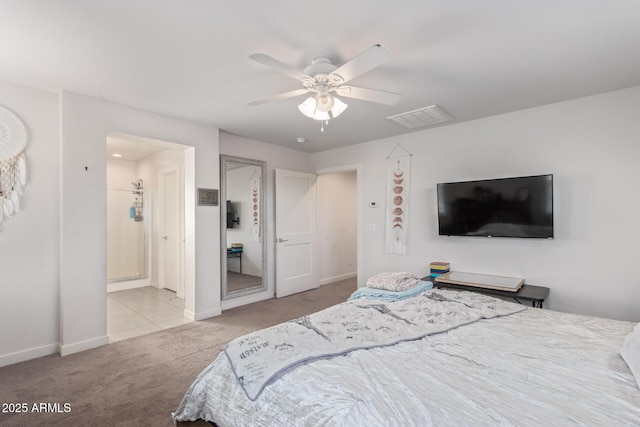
438 268
236 247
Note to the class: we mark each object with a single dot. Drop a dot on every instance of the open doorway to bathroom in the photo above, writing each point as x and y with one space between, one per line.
145 235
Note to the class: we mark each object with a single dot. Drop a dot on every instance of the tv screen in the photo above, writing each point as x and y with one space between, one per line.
507 207
231 214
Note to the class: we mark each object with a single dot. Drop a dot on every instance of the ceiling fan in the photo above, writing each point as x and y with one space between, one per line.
322 80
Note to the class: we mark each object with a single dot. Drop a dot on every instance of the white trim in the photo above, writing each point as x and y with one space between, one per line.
77 347
343 168
247 299
128 284
202 315
32 353
338 278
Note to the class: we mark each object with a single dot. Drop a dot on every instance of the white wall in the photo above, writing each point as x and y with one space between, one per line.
277 158
30 239
86 122
53 252
337 226
121 173
589 144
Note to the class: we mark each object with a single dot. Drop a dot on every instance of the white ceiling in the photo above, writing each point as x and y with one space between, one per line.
190 59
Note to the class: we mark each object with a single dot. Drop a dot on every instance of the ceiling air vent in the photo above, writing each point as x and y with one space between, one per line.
427 116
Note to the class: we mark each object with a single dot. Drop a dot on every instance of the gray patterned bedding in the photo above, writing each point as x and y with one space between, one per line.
498 364
263 356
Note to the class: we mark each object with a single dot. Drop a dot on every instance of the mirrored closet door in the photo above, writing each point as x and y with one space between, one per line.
242 208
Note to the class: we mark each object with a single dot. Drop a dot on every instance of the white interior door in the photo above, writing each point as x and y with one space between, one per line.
169 231
296 260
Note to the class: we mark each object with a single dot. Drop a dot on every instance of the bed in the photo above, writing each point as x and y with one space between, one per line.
446 358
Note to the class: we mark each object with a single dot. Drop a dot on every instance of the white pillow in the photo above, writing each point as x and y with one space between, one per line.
397 282
630 352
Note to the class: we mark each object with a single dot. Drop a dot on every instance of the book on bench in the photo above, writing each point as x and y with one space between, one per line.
501 283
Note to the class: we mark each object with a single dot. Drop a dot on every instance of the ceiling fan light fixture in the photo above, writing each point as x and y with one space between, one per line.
324 102
310 109
338 107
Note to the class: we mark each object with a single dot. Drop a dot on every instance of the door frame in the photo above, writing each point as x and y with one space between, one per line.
357 167
180 232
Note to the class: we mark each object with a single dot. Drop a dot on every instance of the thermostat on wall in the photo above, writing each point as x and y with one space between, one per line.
373 204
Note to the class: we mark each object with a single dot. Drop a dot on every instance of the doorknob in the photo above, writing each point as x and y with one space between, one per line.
165 238
280 240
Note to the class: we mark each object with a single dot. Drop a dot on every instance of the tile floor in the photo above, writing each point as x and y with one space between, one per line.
140 311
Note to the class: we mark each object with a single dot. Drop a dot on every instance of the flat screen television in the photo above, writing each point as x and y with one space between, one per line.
231 215
506 207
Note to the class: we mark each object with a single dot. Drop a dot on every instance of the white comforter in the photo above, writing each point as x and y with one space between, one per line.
536 367
261 357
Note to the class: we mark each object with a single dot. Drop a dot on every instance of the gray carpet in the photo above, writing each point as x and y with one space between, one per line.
140 381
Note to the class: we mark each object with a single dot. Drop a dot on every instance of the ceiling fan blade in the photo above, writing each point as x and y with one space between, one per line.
381 97
280 66
371 58
278 97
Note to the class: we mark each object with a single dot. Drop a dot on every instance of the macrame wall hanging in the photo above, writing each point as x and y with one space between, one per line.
255 185
13 169
398 184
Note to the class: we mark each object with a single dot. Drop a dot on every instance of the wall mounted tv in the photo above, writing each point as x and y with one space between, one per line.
232 221
507 207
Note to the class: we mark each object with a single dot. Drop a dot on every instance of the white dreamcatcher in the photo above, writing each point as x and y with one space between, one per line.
13 169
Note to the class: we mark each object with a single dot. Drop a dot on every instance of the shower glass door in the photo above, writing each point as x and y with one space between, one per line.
126 244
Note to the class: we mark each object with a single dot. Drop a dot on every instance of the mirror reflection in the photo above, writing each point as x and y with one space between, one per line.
243 222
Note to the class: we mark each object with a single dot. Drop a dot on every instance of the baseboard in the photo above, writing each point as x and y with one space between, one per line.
338 278
202 315
127 284
246 299
32 353
77 347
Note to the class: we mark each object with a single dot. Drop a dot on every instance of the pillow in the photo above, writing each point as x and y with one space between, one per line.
397 282
630 352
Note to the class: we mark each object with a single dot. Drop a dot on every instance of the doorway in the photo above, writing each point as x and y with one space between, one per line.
153 172
338 224
169 226
296 232
336 215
